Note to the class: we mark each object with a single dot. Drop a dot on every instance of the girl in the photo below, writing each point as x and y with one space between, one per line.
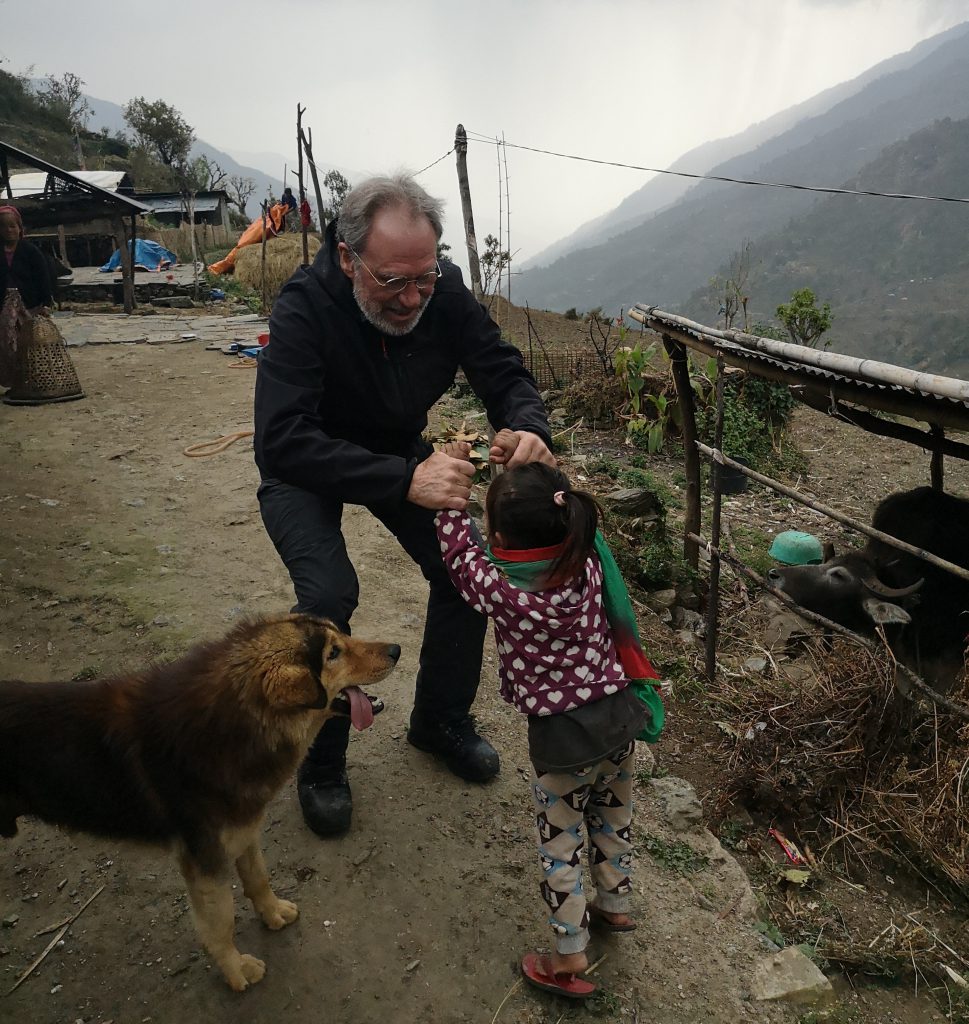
568 650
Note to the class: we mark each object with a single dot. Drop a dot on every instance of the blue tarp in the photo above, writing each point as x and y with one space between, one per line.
148 256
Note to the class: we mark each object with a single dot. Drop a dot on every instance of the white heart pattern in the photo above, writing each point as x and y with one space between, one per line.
554 696
583 693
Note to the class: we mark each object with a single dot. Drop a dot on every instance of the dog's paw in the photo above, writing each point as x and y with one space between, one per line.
280 914
245 972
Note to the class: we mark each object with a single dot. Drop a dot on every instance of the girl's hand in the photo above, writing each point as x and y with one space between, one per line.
503 446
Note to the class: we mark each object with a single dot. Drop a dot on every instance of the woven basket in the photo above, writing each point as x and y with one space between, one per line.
44 371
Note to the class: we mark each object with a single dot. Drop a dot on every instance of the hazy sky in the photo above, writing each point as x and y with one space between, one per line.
385 83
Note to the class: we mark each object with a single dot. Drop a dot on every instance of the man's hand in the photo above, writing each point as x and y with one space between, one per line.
441 482
516 447
457 450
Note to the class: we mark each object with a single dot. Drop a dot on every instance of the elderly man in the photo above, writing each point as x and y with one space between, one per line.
363 343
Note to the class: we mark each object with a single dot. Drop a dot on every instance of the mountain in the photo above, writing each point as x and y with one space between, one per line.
677 250
895 272
663 190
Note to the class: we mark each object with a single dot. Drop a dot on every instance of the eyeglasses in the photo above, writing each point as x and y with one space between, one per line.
395 285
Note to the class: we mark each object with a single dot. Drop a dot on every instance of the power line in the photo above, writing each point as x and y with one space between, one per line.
718 177
437 161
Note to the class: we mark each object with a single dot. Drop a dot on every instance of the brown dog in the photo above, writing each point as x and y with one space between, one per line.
187 755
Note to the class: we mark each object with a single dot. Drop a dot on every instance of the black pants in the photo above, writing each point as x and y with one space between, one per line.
306 530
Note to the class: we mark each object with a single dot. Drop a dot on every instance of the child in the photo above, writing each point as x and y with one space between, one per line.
568 649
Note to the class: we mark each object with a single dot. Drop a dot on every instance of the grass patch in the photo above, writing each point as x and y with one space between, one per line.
676 856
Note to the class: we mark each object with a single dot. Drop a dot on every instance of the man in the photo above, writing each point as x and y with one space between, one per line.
362 344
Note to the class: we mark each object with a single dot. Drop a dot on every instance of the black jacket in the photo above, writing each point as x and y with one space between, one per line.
28 274
339 407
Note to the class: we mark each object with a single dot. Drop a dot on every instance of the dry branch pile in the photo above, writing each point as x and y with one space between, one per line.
850 759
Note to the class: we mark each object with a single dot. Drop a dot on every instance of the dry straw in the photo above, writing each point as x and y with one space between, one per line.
283 256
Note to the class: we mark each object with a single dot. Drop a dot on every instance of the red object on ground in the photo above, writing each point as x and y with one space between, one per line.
263 339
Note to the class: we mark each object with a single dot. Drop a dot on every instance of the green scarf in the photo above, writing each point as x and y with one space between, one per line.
526 568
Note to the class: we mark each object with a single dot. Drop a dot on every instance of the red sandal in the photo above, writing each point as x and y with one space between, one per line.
537 970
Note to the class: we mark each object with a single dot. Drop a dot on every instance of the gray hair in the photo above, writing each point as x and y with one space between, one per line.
363 202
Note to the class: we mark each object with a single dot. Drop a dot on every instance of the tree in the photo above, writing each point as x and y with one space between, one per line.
338 187
239 190
161 130
206 174
731 291
64 95
804 320
492 262
442 253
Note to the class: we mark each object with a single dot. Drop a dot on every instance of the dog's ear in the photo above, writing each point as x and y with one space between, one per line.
291 686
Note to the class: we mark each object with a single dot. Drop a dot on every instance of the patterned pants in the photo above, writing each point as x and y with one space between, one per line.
598 797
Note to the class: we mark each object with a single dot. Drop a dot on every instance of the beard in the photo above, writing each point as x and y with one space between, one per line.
374 314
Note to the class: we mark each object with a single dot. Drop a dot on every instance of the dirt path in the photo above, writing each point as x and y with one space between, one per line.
117 549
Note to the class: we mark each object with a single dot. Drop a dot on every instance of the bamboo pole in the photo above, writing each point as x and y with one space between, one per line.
504 152
869 370
833 513
474 267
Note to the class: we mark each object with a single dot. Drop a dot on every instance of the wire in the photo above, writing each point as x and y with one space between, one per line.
437 161
718 177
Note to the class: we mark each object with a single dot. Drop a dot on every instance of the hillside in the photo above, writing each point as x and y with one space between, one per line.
666 259
663 190
896 272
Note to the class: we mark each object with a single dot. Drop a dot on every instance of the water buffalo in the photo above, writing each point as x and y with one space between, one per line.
926 609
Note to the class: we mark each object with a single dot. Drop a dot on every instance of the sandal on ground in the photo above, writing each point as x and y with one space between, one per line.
537 970
598 919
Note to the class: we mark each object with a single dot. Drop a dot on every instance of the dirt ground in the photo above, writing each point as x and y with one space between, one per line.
115 549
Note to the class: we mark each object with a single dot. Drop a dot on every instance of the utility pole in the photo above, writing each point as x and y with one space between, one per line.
461 148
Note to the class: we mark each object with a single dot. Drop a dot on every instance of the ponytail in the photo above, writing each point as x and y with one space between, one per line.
534 506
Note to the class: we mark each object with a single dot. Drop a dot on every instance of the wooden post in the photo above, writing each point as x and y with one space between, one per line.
62 243
679 362
938 471
134 245
265 297
307 138
299 175
713 597
461 148
127 264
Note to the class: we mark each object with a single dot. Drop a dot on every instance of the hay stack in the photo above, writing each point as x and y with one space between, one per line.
283 255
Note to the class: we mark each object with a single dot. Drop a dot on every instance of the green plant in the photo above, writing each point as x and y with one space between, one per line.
804 319
731 833
605 466
674 856
770 931
571 314
604 1003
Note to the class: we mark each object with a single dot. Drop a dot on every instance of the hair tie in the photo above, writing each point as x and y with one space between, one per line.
559 498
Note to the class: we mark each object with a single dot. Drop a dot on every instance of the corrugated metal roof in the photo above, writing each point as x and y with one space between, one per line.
34 182
828 377
173 204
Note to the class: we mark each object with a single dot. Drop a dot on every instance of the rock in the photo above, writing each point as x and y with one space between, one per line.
556 418
790 976
686 598
635 501
683 618
10 921
755 664
679 803
661 600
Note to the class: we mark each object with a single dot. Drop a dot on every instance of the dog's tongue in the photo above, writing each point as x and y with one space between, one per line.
361 711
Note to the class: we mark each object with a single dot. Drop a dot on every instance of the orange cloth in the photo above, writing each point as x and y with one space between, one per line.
275 219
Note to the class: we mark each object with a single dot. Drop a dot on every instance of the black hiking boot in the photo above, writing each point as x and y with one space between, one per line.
458 745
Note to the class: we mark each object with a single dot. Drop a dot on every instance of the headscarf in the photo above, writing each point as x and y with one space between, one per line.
17 217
